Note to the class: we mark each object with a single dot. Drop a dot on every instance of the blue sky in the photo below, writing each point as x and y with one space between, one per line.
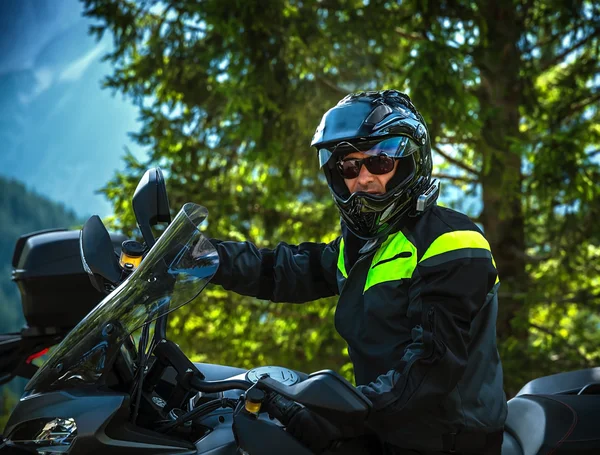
61 133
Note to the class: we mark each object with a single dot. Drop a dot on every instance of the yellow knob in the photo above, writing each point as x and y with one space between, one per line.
252 407
126 259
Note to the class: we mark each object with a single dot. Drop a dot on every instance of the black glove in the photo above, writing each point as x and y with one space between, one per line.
314 431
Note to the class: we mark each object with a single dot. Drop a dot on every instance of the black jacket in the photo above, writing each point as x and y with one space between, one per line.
417 309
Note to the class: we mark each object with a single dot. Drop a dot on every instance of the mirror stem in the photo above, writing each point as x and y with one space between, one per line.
160 329
148 236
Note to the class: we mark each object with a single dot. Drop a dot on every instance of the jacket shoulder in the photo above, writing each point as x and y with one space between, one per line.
439 221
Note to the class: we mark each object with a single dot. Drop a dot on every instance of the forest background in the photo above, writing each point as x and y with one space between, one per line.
229 94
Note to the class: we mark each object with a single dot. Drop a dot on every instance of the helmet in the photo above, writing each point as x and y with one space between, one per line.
387 122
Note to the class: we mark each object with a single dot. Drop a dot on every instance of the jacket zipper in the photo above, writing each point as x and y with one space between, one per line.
430 316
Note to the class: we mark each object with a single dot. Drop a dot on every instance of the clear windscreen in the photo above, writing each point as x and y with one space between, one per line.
173 273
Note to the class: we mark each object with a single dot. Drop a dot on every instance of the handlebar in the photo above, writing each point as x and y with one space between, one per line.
281 408
276 405
219 386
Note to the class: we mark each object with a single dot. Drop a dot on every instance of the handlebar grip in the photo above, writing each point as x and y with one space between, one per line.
219 386
281 408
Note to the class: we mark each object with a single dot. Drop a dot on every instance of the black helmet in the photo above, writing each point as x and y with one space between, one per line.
384 122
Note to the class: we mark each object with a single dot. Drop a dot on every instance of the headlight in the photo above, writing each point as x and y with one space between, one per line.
46 436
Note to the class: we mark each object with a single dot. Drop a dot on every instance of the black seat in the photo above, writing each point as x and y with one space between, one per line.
568 382
560 424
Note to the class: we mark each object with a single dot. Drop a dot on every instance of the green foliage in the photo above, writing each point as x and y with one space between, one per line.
230 93
8 400
245 332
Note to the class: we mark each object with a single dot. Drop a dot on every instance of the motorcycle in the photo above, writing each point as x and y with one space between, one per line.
102 389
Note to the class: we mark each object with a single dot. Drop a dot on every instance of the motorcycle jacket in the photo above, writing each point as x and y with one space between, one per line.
417 310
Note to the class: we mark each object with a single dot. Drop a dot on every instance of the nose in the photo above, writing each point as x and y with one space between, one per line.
364 176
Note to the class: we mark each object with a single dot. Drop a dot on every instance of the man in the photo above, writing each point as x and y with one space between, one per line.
417 286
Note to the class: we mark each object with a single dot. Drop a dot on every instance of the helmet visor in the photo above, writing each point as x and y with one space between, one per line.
393 147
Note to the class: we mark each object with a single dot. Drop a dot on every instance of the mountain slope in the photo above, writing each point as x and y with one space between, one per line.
22 211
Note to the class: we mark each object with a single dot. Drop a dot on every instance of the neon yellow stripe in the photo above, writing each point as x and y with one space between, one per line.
456 240
384 267
341 262
497 274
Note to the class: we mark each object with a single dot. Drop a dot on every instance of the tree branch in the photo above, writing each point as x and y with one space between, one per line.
581 298
593 153
529 258
583 104
331 85
447 140
410 36
556 336
456 178
512 295
557 58
455 161
422 36
543 329
554 37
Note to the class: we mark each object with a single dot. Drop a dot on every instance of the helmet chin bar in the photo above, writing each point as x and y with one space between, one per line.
367 221
387 212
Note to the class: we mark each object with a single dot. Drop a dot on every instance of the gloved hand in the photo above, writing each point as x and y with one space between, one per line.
312 430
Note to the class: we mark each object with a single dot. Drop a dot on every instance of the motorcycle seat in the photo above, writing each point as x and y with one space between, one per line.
557 424
566 382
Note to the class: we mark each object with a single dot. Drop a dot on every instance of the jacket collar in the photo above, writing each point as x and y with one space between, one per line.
357 246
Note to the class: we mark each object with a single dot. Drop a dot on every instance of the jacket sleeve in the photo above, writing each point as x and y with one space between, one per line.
447 292
287 273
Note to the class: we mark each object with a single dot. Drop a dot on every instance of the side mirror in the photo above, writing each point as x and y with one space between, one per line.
151 204
98 256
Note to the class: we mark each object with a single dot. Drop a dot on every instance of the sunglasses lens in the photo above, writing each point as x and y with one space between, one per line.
379 165
349 168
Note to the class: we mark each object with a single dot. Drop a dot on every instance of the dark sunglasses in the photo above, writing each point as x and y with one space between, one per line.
388 149
379 164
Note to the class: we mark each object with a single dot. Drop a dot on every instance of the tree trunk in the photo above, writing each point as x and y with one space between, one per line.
500 95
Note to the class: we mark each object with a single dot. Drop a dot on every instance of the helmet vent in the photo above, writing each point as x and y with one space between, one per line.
378 114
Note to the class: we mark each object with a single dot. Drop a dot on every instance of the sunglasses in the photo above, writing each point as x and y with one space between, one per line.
383 153
378 165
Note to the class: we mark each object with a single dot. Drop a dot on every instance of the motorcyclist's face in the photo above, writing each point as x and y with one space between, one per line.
366 181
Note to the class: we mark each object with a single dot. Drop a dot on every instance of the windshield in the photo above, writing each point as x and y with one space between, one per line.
173 273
